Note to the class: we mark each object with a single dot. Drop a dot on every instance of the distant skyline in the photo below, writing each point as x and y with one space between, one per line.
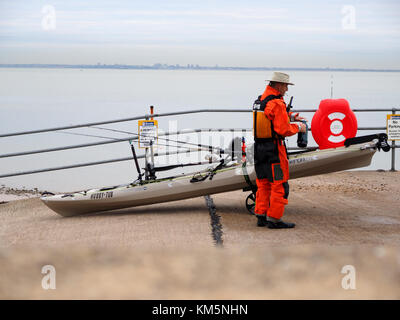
254 33
159 66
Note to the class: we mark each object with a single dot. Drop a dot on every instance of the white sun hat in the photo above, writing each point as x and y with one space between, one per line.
280 77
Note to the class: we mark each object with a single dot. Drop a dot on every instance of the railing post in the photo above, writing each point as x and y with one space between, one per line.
393 155
393 149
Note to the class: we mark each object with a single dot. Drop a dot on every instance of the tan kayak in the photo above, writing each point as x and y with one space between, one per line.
229 177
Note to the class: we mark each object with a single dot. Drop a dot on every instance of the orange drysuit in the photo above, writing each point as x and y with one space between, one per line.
271 162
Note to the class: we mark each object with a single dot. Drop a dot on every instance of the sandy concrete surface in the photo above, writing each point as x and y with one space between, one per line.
347 208
168 251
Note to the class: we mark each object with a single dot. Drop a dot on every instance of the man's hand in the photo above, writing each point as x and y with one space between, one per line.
302 127
296 117
299 118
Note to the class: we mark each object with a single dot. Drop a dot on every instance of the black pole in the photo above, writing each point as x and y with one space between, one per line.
289 106
393 168
136 161
232 150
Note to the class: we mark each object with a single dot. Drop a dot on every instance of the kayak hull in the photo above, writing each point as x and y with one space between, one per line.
227 179
137 195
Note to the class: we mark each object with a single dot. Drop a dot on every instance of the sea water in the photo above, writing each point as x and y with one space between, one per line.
33 99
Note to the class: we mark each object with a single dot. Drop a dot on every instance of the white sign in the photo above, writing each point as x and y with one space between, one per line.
147 131
393 126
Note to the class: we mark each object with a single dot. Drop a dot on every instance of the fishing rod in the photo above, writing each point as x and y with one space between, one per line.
202 146
151 169
162 168
207 147
221 151
115 139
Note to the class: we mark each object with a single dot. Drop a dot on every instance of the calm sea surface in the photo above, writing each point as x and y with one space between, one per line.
44 98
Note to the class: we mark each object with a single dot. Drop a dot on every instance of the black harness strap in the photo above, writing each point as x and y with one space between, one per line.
268 99
258 101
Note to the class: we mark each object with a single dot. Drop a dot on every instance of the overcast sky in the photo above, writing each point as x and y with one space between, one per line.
360 34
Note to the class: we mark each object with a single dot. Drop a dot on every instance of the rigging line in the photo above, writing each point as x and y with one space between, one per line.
166 139
86 135
167 145
139 135
110 138
192 144
103 137
108 129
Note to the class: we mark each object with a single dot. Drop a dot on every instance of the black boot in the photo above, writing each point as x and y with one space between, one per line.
280 225
261 220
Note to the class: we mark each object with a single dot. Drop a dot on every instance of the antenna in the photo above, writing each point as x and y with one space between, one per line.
331 86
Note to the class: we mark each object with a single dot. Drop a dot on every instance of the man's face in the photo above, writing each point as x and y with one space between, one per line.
282 88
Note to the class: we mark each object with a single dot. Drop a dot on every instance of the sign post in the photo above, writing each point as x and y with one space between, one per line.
393 127
147 131
148 134
393 132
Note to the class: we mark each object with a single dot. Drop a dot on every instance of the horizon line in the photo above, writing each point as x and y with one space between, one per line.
159 66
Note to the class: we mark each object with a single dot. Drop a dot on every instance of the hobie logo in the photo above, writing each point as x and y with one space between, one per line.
349 280
49 280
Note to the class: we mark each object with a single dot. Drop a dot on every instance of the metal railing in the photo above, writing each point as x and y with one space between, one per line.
135 137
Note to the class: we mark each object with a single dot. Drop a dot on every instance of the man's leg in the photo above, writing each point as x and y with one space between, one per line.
279 195
279 198
279 191
262 201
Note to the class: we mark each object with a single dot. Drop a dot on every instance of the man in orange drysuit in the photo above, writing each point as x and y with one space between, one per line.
271 126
